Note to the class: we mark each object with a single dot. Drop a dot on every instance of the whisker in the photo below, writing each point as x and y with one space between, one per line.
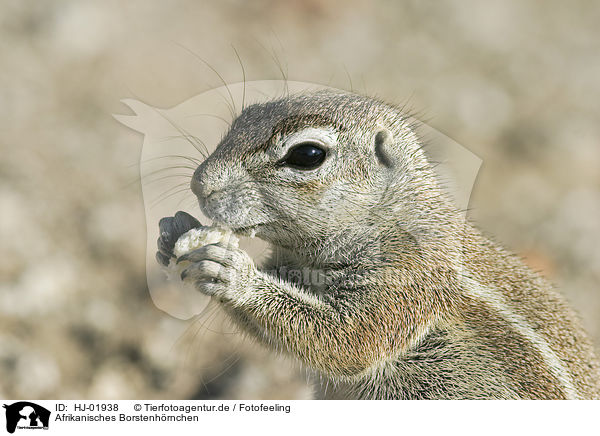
284 72
273 55
228 366
233 114
172 167
185 135
191 139
163 197
212 116
349 78
243 76
142 179
169 176
172 188
183 337
173 156
364 84
163 170
180 202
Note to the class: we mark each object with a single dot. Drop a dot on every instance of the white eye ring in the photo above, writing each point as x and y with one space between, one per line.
325 137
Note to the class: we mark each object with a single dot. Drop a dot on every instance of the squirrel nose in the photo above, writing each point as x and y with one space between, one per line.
199 184
212 176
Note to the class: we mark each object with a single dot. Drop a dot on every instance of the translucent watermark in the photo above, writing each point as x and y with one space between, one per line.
179 139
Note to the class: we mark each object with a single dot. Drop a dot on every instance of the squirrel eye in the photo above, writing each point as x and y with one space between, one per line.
305 156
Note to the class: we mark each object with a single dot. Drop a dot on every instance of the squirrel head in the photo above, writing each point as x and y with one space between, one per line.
308 169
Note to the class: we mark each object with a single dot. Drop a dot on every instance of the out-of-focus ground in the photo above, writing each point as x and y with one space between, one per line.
516 82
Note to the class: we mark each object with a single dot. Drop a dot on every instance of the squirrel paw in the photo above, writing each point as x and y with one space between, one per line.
220 270
171 228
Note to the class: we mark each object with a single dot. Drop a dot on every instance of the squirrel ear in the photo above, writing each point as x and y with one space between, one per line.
383 148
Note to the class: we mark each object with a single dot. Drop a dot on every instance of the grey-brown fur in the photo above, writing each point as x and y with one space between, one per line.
415 303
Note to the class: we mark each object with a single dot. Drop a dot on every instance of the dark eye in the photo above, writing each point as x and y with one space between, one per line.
305 156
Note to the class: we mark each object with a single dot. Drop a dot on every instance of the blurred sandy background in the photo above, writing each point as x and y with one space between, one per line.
516 82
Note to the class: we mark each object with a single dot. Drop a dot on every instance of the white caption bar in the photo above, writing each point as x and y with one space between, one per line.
45 417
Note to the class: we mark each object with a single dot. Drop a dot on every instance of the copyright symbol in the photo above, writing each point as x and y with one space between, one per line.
137 407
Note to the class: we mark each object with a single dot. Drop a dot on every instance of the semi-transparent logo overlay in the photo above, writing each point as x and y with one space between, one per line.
176 140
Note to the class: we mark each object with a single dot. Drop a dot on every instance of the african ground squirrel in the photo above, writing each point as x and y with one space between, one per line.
375 280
